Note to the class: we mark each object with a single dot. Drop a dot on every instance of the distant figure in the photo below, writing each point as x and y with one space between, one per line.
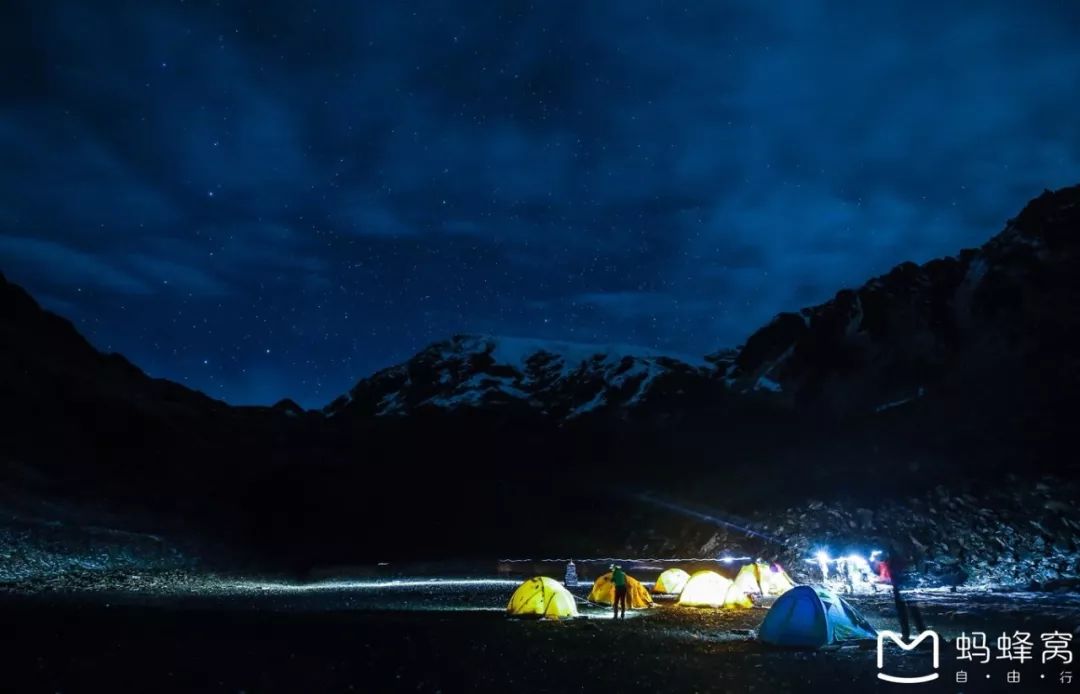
570 579
897 570
882 568
618 579
849 578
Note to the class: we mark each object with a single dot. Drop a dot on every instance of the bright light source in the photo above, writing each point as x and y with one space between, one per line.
822 557
391 583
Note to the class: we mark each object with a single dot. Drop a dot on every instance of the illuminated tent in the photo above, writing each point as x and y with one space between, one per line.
710 589
542 597
603 592
671 581
763 579
811 617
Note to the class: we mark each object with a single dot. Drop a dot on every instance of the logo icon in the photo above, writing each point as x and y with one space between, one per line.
899 641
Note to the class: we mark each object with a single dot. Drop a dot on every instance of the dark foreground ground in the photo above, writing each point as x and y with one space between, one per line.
374 637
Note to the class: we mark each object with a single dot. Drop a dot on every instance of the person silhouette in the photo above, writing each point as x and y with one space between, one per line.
618 579
906 611
570 577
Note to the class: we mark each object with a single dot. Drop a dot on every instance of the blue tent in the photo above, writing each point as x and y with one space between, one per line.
811 617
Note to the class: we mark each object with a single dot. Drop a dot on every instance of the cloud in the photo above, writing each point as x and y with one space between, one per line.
178 276
367 217
609 171
29 257
65 180
629 304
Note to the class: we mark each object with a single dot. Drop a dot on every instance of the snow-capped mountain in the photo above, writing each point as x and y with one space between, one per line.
564 380
950 330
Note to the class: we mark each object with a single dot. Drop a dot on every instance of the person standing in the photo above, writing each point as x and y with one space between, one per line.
906 610
849 577
570 578
618 579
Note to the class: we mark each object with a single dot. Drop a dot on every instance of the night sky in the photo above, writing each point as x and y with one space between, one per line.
268 199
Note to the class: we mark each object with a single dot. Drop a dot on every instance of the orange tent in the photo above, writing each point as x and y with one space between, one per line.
603 592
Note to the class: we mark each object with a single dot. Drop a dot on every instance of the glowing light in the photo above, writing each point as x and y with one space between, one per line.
379 585
822 557
708 518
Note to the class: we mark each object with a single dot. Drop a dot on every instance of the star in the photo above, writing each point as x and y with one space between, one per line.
633 217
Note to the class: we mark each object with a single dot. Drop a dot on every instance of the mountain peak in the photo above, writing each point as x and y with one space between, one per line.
515 351
552 377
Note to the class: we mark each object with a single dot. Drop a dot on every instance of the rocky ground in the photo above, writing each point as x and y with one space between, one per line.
43 556
268 637
44 546
1012 535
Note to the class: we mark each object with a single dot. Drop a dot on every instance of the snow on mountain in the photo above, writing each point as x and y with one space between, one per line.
562 379
952 323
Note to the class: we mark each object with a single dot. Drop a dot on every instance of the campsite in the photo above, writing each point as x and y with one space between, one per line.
451 633
613 347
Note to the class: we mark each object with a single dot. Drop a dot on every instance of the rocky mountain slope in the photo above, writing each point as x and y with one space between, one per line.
1005 311
65 402
1024 534
83 429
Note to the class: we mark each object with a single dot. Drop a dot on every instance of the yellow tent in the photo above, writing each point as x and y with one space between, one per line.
710 589
671 581
603 592
763 579
542 597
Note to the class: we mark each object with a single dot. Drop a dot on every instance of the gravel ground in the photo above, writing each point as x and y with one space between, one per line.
425 634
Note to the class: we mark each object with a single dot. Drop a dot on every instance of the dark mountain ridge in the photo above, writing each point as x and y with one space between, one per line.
932 372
